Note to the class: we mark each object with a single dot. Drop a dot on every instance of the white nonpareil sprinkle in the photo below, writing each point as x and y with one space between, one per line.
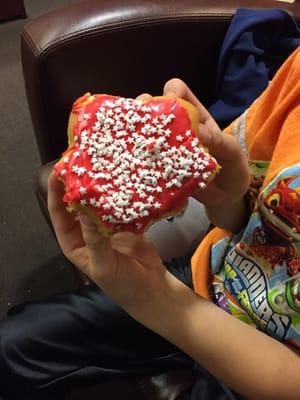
134 161
82 190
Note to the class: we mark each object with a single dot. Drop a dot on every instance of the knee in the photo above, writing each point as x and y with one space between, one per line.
18 368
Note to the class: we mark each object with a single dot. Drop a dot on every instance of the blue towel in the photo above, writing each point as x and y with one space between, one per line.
257 43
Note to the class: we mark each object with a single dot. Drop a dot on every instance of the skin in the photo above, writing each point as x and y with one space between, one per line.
129 270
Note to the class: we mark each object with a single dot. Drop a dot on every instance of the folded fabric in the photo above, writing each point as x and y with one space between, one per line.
257 43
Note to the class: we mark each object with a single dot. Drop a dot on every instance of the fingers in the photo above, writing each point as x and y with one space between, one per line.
137 247
144 97
222 146
234 176
91 235
176 87
101 255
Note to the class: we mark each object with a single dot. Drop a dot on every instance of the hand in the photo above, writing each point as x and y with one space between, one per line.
126 266
232 181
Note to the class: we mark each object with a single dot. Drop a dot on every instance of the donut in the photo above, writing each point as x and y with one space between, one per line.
130 162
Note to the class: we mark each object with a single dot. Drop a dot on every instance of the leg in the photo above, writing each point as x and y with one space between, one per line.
78 337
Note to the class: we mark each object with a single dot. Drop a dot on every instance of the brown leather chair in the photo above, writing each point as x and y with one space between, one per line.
125 48
12 9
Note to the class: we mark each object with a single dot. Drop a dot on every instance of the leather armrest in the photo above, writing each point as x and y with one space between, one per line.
12 9
91 16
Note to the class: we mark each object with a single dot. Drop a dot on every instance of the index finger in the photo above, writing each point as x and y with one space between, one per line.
176 87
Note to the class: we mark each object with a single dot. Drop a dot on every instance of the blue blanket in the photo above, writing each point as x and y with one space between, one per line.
258 41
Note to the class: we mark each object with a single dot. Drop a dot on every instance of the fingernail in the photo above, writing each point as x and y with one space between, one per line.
144 97
171 94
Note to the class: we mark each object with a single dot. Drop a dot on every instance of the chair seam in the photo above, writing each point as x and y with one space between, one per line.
121 25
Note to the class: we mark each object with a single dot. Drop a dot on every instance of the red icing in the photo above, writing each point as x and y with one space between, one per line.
126 192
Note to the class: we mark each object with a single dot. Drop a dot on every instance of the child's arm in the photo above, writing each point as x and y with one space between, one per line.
128 269
247 360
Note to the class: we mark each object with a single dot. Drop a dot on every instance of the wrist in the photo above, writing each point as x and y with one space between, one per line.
231 215
170 302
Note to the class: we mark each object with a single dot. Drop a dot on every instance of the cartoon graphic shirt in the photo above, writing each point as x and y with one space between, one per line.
255 275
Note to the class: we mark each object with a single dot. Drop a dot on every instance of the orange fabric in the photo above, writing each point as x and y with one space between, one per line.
273 121
200 267
272 133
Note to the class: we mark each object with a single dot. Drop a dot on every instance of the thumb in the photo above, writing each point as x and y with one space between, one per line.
176 87
98 246
90 233
137 247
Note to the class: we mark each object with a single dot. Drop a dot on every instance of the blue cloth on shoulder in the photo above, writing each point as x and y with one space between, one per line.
258 41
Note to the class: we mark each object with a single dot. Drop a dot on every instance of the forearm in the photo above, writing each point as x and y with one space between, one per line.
230 215
248 361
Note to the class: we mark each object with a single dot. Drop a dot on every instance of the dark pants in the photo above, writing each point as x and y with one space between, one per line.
80 337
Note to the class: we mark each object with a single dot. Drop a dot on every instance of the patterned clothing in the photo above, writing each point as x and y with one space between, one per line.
255 275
